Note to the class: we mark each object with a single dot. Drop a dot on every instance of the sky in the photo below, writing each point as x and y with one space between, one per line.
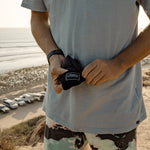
13 15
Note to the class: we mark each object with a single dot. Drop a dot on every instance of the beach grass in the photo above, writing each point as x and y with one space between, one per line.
18 135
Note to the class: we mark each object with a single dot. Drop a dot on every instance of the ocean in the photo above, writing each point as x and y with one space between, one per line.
18 49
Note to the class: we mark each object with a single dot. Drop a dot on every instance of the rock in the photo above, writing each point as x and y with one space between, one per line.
2 83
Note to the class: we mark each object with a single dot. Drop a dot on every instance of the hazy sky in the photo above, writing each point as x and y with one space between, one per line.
13 15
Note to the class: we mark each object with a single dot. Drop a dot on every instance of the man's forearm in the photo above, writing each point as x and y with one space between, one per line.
41 31
139 49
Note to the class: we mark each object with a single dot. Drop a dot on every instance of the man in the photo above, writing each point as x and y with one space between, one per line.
106 109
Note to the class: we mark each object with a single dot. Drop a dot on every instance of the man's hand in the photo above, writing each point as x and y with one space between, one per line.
101 70
56 70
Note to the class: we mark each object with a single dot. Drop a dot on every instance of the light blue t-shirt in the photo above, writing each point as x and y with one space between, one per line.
87 30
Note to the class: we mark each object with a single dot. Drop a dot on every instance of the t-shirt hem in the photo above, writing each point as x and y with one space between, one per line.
25 5
95 130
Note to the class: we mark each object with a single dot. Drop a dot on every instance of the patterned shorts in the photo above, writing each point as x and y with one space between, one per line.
58 137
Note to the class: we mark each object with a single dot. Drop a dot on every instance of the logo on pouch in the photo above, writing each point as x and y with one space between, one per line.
72 76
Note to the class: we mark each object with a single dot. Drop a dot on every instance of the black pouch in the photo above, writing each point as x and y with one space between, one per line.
73 76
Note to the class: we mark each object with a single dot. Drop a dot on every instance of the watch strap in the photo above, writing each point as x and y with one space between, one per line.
54 52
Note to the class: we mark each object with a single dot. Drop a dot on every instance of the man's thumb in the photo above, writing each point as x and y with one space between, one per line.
61 71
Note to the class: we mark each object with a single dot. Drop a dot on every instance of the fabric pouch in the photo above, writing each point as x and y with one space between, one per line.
73 76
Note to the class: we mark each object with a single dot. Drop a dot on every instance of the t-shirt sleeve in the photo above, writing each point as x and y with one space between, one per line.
35 5
146 6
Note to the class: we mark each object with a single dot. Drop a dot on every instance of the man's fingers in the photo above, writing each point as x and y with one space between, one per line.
102 80
99 77
92 75
56 84
88 69
58 88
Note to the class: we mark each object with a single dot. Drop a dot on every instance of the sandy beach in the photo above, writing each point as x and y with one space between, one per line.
34 79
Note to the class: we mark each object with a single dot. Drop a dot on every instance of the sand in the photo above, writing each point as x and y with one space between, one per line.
143 132
34 79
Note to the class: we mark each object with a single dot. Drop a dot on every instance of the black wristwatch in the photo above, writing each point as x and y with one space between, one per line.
54 52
